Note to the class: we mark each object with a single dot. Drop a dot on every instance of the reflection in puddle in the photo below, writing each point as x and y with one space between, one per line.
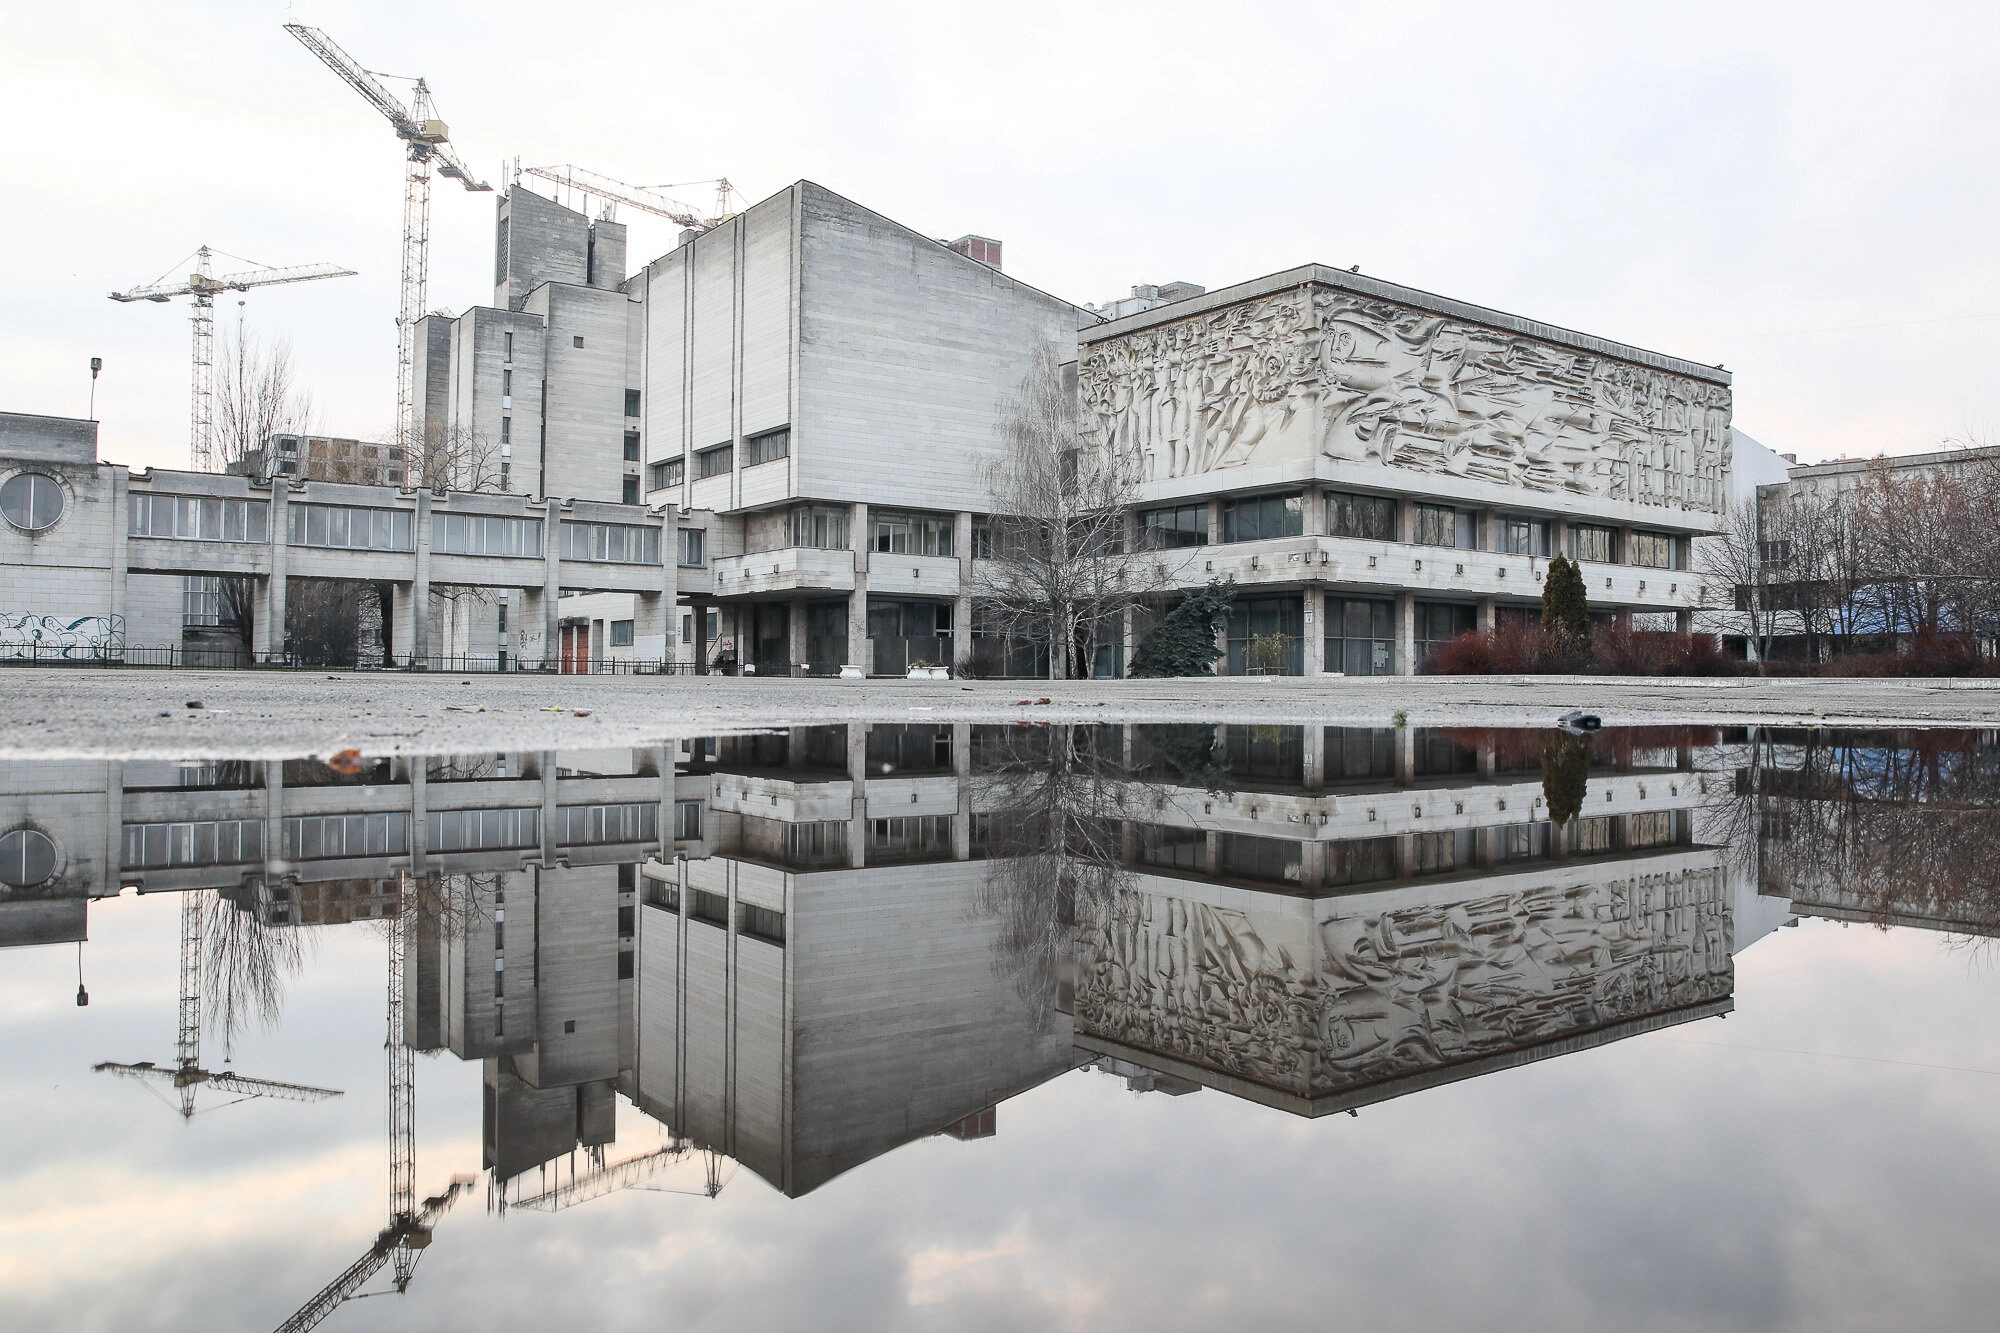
798 950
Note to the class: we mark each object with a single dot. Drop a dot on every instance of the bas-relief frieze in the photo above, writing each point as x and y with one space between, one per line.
1401 991
1320 372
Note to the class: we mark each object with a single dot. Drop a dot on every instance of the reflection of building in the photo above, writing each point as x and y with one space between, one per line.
1891 829
805 948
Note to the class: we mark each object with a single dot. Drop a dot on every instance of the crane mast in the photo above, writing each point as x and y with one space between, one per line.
203 286
428 144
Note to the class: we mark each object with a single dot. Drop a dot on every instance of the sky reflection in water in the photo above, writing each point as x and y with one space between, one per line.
1054 1028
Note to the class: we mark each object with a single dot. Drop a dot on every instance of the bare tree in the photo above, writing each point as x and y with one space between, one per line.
257 395
1739 570
244 964
451 456
1059 575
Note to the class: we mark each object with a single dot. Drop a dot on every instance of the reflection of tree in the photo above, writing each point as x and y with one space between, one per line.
1565 775
1185 754
1894 826
1056 797
245 964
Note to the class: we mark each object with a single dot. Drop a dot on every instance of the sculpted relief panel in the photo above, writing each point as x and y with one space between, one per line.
1317 371
1402 991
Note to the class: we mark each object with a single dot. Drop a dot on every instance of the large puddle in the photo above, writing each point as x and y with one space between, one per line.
953 1026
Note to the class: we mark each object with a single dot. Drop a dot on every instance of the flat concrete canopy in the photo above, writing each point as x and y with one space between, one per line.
116 712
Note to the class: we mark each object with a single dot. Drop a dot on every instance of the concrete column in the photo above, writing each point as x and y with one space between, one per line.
402 621
1486 615
1312 864
1485 847
857 601
961 768
273 601
531 615
1313 627
1406 634
1315 511
652 623
121 517
1215 520
549 804
1406 755
420 587
1683 622
274 817
700 609
1313 774
1558 537
795 631
1406 519
857 779
1489 529
1488 762
420 821
1127 641
961 607
551 580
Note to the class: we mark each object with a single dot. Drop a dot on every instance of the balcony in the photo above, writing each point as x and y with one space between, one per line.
795 569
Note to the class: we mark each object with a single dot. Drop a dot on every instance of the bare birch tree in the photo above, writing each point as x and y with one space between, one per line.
257 395
1737 576
1059 575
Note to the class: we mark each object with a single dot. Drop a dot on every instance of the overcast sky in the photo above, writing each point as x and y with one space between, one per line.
1804 193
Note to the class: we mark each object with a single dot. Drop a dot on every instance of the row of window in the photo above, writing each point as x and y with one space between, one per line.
1373 517
761 923
199 518
611 543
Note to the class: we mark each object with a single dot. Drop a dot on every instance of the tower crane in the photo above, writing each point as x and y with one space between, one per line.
642 197
187 1075
404 1239
428 144
203 286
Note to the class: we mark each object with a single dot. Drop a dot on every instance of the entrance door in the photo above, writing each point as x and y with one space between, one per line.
575 650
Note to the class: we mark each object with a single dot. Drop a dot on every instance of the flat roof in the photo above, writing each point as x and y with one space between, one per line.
1959 454
1360 285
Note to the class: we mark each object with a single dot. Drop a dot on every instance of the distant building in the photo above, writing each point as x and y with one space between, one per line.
1146 296
326 458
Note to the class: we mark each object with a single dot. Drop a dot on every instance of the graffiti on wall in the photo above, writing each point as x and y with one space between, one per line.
85 639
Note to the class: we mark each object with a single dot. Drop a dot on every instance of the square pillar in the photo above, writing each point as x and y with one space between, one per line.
121 517
700 637
795 631
1314 630
857 779
402 622
420 595
273 599
1486 615
858 653
1406 755
1406 634
1683 622
530 647
551 579
961 768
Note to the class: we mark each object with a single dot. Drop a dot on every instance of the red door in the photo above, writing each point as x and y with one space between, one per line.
575 650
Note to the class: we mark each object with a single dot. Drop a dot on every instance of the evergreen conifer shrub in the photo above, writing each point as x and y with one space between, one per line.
1565 612
1183 642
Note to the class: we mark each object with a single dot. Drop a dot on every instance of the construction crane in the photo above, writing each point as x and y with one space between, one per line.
187 1075
645 198
428 144
203 286
410 1224
628 1174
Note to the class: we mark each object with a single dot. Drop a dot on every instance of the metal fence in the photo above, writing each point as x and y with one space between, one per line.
202 658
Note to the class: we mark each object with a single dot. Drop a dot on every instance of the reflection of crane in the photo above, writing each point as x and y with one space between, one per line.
410 1226
642 197
187 1073
618 1176
428 140
202 286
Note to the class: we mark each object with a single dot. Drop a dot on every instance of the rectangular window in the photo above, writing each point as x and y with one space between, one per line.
483 830
596 825
1369 516
1439 623
901 533
1520 535
345 837
909 838
1360 636
631 446
1441 525
576 340
761 923
1442 853
506 383
611 543
506 430
1257 517
767 448
1274 754
506 339
982 539
198 518
621 634
631 395
1360 861
201 843
714 462
821 842
712 908
1588 541
201 601
630 491
820 527
1266 635
1654 550
354 529
1174 526
506 470
687 628
687 820
1358 755
693 548
1170 847
1273 860
482 534
667 473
